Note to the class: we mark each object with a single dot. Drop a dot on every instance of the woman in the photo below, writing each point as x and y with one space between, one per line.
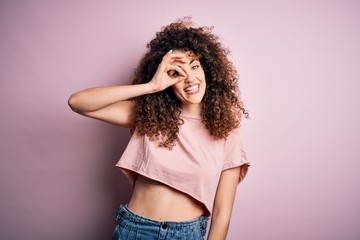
185 157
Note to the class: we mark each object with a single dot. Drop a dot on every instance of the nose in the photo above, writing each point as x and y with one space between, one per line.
189 78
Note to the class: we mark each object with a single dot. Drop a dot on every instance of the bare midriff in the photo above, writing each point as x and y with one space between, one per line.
157 201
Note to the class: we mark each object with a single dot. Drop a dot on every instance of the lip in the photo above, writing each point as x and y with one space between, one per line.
192 89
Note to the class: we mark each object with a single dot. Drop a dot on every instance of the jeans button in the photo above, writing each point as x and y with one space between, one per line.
164 226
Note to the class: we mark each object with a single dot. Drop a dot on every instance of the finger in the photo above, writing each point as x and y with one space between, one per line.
170 55
166 57
181 71
176 69
177 57
170 58
179 79
174 81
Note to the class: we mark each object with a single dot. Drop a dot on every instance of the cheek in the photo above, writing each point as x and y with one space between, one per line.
176 90
204 83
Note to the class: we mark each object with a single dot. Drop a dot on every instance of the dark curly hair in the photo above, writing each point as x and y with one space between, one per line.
158 115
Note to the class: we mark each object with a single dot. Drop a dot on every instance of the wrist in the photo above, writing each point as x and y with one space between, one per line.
150 88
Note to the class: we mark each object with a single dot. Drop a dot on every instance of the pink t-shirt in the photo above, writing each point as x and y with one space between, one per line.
193 166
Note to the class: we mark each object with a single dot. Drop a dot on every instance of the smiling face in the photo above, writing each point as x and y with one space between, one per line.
191 90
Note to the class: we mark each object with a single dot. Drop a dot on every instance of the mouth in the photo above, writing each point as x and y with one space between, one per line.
192 89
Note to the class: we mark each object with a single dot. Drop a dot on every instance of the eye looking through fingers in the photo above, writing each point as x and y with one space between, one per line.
173 74
176 71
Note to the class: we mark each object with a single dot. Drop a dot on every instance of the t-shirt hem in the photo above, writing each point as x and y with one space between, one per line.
126 170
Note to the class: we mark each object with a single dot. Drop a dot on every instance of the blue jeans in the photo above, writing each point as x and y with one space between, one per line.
132 226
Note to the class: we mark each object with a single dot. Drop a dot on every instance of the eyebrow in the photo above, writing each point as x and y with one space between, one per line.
192 60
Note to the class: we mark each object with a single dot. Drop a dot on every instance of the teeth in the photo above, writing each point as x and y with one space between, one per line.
192 88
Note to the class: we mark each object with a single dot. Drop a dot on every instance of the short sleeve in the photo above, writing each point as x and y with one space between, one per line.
235 154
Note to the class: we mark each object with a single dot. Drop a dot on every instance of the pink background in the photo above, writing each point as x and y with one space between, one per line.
299 68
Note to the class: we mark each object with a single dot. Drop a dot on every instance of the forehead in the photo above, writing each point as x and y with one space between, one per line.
187 54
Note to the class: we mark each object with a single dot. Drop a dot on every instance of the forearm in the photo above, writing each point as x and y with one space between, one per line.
93 99
224 201
219 228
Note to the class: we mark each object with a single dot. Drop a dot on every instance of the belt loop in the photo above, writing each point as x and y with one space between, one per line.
203 224
119 213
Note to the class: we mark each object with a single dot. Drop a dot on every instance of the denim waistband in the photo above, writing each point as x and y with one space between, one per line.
123 211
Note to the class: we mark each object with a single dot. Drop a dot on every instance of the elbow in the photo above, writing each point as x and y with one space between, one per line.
223 217
72 102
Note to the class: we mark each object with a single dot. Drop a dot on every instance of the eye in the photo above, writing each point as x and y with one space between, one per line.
195 67
173 74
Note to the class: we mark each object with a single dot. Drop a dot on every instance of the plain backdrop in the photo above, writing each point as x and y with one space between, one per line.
298 63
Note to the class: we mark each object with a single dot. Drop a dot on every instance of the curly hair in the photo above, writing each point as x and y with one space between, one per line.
158 115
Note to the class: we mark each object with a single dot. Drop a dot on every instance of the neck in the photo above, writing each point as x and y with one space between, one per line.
193 109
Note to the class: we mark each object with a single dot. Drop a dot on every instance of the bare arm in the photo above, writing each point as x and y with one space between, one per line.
111 104
96 98
224 201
